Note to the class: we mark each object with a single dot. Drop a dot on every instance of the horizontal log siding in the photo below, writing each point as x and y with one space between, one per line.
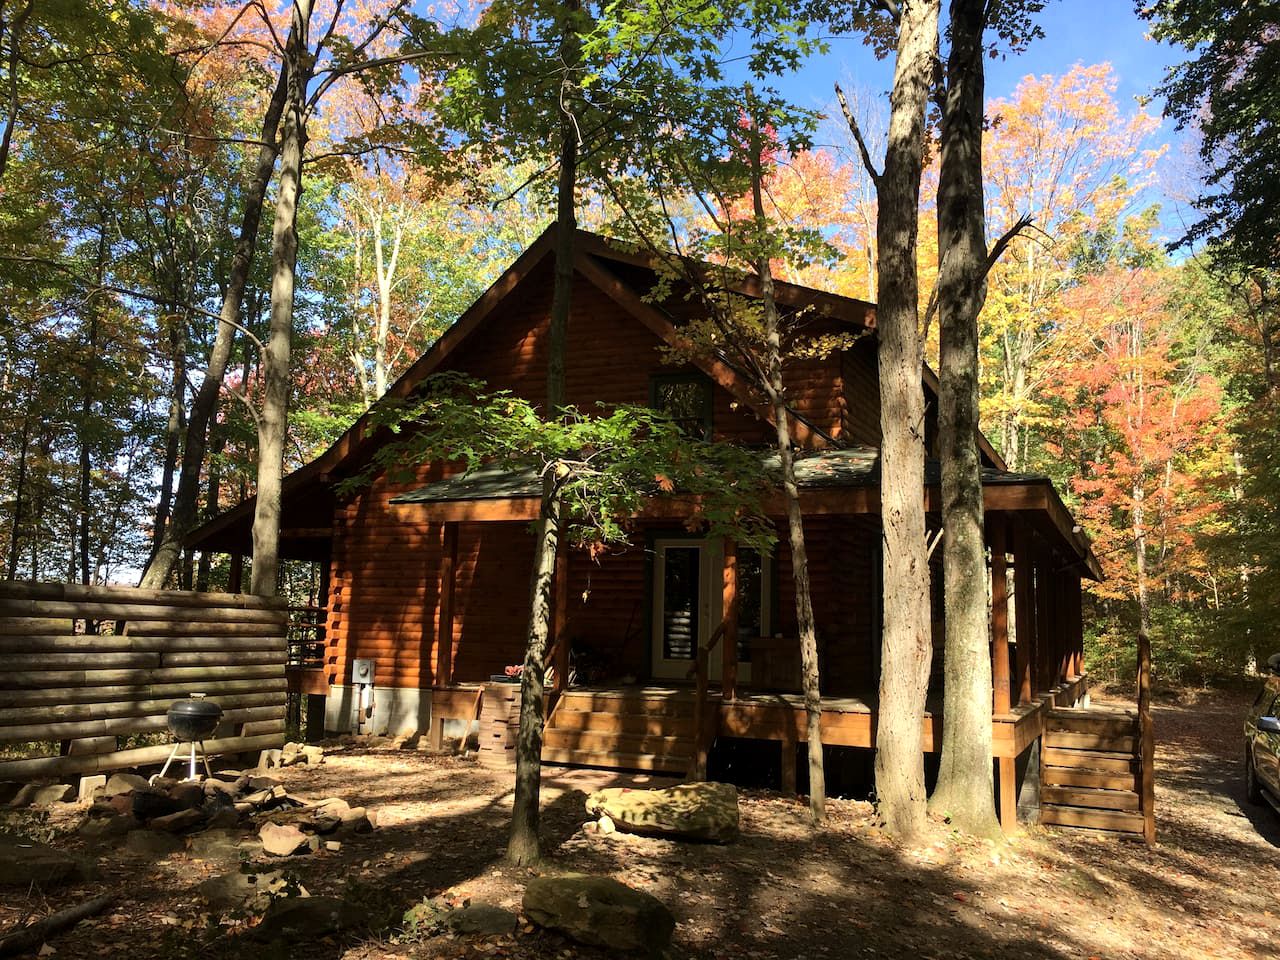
62 680
860 378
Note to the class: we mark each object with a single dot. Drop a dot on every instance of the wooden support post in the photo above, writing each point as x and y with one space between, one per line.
1074 593
1044 630
789 741
1024 617
236 579
1000 672
1008 787
445 603
729 644
443 673
559 620
1147 756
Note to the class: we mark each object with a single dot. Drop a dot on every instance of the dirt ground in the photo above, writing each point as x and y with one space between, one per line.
1208 889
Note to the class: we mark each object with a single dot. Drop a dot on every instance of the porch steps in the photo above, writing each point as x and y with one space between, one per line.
1090 765
623 730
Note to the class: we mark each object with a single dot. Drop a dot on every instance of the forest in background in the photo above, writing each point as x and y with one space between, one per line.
1141 381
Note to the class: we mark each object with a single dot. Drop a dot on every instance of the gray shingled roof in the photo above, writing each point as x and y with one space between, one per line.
851 467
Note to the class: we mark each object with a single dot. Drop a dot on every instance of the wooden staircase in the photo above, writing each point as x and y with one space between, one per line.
1091 770
642 729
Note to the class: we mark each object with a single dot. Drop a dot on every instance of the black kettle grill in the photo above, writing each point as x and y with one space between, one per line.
192 721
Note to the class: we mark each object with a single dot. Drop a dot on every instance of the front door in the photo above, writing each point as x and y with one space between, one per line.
688 601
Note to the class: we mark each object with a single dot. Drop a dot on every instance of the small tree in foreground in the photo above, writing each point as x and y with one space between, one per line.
603 469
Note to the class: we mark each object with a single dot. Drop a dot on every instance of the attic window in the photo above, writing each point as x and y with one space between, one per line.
687 399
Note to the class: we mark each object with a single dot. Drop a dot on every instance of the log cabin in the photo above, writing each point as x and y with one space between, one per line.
676 649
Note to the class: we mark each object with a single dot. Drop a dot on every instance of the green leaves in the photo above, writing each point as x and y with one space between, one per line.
608 465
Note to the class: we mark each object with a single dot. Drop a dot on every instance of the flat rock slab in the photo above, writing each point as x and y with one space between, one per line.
123 783
283 840
23 863
600 912
307 918
688 811
480 920
42 795
252 892
104 828
177 822
153 844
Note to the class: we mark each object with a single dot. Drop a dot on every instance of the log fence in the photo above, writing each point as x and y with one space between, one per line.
84 667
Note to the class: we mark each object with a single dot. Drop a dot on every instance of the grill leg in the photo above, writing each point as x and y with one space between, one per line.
193 761
172 753
204 756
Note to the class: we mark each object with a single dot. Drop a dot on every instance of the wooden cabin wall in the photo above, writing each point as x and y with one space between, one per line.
860 375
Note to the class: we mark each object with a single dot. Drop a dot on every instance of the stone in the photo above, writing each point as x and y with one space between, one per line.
222 818
332 846
312 753
252 892
148 803
25 862
355 820
480 920
296 919
688 811
119 783
268 797
43 794
605 825
9 789
600 912
105 828
290 754
91 788
153 844
188 795
263 783
324 824
217 844
332 805
282 840
178 821
268 759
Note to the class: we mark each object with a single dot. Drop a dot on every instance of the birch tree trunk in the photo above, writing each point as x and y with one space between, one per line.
965 792
776 390
523 846
205 402
906 650
274 417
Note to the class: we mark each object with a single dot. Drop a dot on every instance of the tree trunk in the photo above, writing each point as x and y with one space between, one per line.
212 497
273 419
523 847
776 390
965 792
906 649
172 439
19 494
205 402
84 492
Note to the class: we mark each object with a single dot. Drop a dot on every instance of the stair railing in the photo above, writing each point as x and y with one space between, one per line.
701 739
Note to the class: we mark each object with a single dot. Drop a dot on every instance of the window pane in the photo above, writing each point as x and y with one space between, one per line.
681 567
687 401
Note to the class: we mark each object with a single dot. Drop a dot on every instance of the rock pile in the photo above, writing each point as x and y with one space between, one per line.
687 811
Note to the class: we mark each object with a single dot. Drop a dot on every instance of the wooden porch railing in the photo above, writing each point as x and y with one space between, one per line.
701 742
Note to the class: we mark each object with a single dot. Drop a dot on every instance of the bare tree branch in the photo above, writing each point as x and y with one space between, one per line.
857 136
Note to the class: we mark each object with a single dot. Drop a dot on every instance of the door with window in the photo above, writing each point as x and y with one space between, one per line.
688 605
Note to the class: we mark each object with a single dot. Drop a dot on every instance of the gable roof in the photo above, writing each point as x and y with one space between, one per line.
592 256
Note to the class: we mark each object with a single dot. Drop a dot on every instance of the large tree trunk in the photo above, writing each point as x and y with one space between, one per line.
172 437
523 846
205 402
88 391
776 390
273 419
964 792
19 497
906 651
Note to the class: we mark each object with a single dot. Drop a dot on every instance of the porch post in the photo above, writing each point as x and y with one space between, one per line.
729 642
442 676
236 579
1024 615
445 595
1044 622
559 618
999 619
1008 787
1075 587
